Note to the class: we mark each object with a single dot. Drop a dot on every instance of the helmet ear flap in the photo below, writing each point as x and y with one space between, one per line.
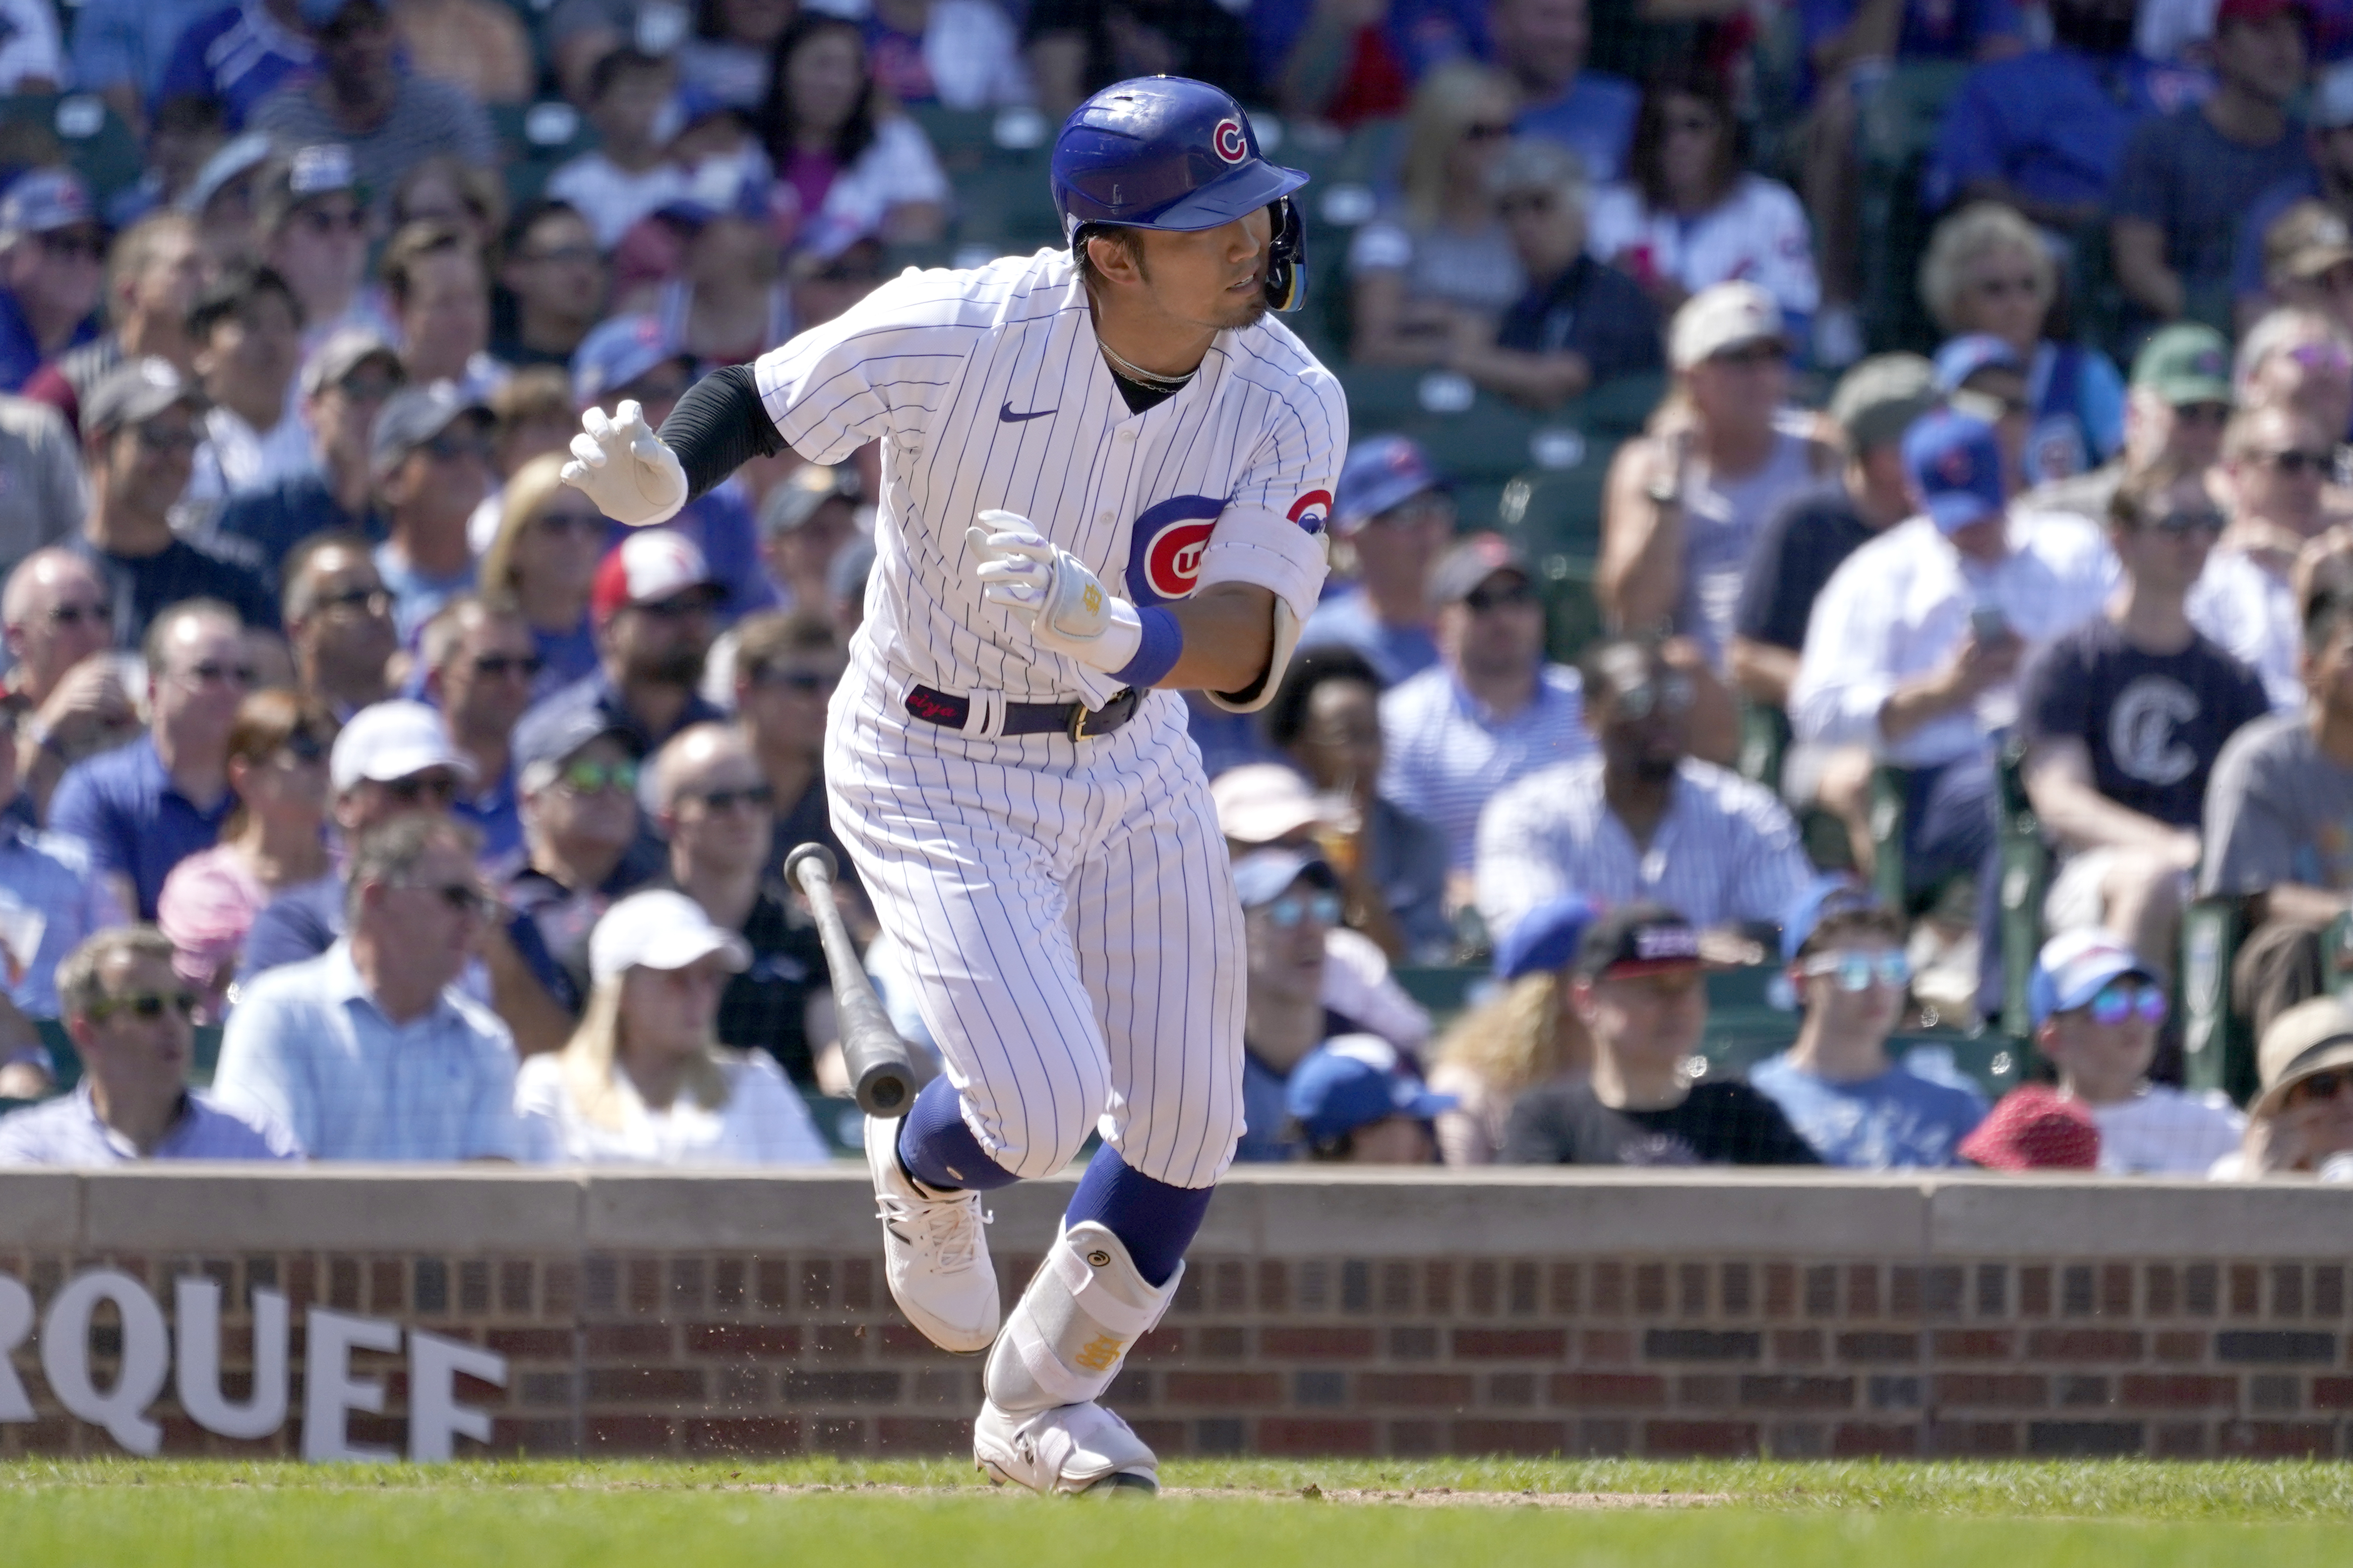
1286 258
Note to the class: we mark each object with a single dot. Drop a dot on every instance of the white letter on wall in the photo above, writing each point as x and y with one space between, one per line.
329 1389
198 1300
16 1323
434 1416
146 1356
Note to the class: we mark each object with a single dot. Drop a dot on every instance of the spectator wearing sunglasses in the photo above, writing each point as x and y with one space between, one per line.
370 1051
66 693
430 453
152 271
1684 505
1640 990
717 810
2176 406
2124 716
576 788
1291 906
339 619
52 248
392 759
2282 796
49 903
143 808
545 558
2300 1123
1639 816
804 522
1843 950
344 386
129 1017
141 426
272 842
2097 1008
479 662
652 604
1912 651
786 666
1492 711
2277 464
1395 516
311 219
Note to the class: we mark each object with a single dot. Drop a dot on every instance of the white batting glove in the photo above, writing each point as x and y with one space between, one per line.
1065 606
622 466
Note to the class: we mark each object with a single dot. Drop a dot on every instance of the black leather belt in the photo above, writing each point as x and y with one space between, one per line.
1076 720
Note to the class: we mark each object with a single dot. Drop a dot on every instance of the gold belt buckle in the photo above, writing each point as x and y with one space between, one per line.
1080 714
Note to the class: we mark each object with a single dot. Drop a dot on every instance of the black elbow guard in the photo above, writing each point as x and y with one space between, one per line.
718 427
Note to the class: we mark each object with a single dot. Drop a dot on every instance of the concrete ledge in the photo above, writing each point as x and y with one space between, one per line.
1279 1212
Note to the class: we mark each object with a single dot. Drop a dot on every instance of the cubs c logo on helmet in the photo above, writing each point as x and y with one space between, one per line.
1310 510
1164 552
1230 141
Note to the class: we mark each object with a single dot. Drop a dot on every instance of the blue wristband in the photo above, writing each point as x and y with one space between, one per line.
1156 655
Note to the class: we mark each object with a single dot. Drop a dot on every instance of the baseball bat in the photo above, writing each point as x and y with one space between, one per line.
881 1072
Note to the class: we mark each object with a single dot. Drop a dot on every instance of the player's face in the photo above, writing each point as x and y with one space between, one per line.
1215 280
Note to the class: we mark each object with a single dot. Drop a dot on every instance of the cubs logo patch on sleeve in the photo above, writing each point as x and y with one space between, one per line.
1310 510
1163 553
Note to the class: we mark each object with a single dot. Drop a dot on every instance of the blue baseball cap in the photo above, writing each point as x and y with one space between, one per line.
43 201
1381 471
1354 1080
1963 357
1260 875
1545 938
1827 897
1956 462
2074 965
615 352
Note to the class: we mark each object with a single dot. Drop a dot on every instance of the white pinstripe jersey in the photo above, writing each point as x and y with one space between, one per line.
988 390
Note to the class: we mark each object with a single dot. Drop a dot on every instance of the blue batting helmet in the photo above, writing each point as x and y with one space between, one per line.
1166 152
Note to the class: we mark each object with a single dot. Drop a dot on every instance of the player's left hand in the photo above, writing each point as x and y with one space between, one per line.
1065 606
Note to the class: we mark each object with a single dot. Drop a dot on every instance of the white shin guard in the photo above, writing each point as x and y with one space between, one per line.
1065 1340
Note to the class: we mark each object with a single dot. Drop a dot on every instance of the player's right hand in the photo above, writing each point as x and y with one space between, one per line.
621 465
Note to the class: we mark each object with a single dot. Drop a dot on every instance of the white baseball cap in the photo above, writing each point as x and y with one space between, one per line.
1723 316
1259 803
660 930
390 740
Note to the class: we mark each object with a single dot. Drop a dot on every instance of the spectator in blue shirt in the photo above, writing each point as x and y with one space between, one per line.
140 431
1489 711
430 452
1541 45
121 48
339 620
1844 950
140 810
238 56
369 1051
344 386
2187 177
2044 131
130 1018
1393 515
2328 179
52 251
49 903
479 662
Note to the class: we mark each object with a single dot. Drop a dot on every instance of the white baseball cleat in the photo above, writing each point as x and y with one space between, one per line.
934 1251
1068 1448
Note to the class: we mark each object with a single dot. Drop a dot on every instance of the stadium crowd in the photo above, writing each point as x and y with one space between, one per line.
366 794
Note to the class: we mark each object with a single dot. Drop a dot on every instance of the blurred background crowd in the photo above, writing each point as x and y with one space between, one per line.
1837 618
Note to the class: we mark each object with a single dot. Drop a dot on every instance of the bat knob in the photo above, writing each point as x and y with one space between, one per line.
806 855
884 1090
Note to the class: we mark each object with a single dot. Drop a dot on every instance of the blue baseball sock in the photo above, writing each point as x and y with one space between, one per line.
939 1150
1154 1221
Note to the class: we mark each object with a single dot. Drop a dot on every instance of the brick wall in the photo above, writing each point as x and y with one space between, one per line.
1597 1316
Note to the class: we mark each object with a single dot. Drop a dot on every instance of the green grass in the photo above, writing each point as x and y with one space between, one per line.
156 1514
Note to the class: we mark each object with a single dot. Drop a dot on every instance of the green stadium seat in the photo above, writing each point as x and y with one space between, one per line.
1893 135
1573 619
97 143
1764 743
1548 511
1890 792
2217 1047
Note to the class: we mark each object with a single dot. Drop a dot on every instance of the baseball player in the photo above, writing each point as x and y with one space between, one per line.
1105 478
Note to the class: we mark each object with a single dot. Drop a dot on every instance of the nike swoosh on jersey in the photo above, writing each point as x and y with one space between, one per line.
1009 417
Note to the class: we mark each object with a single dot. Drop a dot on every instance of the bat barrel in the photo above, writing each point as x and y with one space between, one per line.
880 1069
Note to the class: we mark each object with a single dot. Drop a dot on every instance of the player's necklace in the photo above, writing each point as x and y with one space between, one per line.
1141 376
